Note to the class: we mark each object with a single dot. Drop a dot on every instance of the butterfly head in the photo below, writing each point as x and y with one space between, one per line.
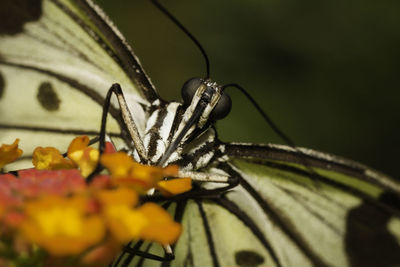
204 102
209 96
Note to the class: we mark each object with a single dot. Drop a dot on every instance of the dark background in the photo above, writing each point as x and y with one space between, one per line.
327 72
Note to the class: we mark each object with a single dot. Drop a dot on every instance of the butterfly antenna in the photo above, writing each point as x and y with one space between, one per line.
180 26
273 126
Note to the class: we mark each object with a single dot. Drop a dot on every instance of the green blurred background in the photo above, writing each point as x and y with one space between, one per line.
327 72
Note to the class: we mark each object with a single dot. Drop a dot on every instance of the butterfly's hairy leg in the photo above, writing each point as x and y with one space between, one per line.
126 116
168 256
129 122
204 177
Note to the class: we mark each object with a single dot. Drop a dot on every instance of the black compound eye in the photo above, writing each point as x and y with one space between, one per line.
223 107
189 89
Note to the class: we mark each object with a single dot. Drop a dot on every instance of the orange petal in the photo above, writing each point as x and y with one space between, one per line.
119 196
171 170
161 227
61 225
140 186
9 153
79 143
86 159
175 186
119 163
124 222
50 158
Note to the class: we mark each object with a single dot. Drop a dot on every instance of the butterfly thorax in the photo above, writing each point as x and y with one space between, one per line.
194 151
182 133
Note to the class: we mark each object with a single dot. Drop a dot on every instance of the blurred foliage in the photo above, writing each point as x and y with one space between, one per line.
327 72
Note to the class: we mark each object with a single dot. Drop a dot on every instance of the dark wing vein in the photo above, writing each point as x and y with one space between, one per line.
209 236
124 55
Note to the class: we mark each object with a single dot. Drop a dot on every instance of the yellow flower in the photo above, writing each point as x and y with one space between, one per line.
50 158
61 225
82 155
9 153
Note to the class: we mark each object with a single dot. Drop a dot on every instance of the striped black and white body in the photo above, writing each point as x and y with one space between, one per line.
58 58
161 127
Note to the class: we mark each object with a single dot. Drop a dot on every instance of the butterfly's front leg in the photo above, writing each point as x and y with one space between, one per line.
127 118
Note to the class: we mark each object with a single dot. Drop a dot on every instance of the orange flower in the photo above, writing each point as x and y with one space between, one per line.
128 172
161 227
82 155
9 153
50 158
149 222
119 163
61 225
174 187
125 222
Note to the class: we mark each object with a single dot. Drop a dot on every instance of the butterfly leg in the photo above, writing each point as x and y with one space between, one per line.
126 116
132 249
204 177
207 184
129 123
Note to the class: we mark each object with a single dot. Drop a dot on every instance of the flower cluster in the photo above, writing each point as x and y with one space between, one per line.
52 210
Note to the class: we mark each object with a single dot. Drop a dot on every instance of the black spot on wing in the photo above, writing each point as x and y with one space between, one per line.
2 85
15 13
47 97
368 241
248 258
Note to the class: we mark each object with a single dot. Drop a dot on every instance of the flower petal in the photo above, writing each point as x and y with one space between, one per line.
174 186
50 158
86 159
78 143
9 153
119 163
161 228
61 225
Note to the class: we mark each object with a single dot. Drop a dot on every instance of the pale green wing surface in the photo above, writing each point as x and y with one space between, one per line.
58 58
335 212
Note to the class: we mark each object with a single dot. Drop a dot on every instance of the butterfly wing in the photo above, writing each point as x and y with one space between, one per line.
58 58
334 212
337 213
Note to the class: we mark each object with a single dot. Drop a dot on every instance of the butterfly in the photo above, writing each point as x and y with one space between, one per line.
252 204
